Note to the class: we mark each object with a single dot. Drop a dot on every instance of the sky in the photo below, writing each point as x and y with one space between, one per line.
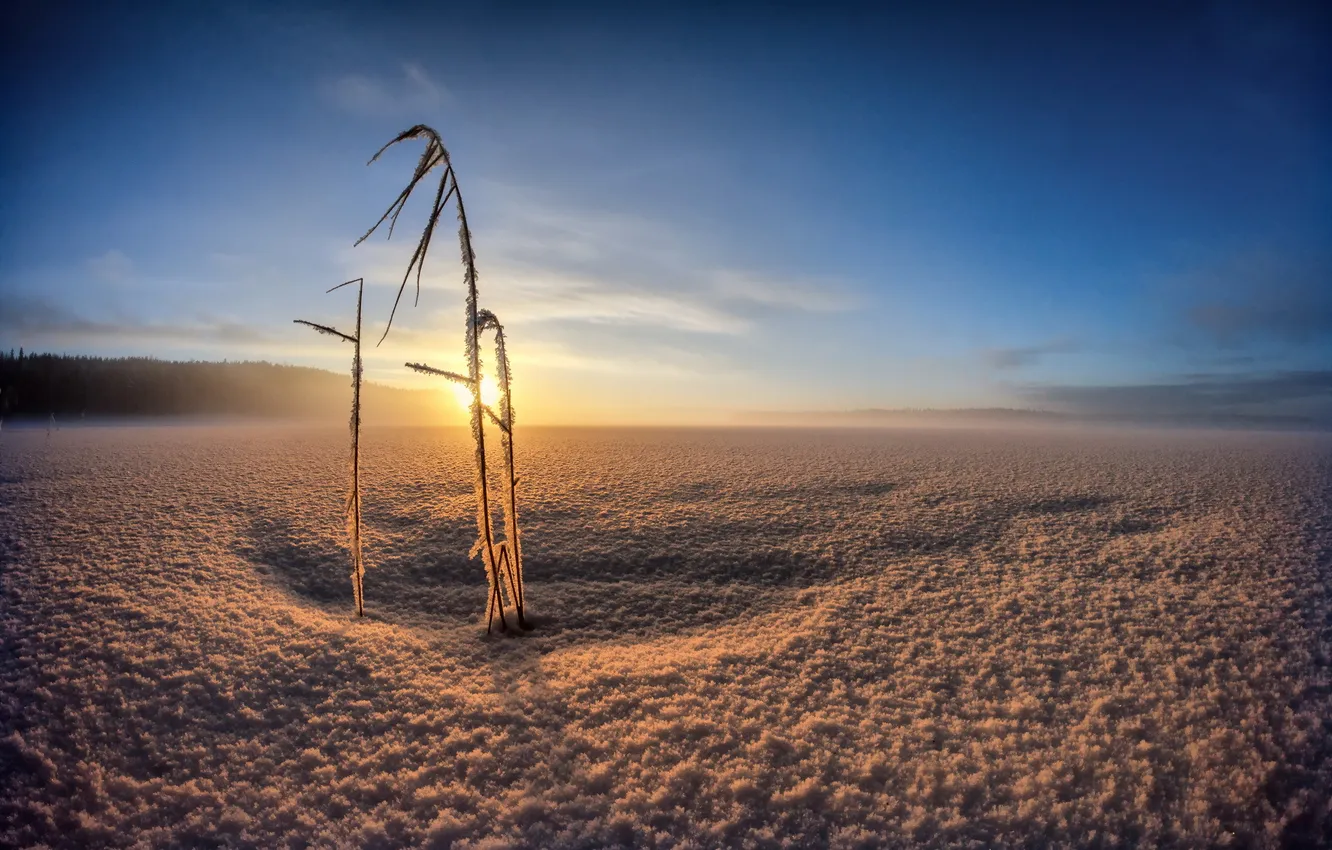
681 212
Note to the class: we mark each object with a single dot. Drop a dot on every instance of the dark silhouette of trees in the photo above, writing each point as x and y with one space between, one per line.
39 385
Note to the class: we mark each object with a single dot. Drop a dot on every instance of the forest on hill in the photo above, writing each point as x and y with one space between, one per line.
77 387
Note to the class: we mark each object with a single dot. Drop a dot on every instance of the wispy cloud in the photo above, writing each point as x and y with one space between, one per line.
800 293
112 267
412 93
529 227
1022 356
525 296
1291 317
650 360
553 297
666 364
1261 297
38 321
543 263
1302 392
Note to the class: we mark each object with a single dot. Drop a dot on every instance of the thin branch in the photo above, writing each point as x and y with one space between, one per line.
416 131
346 283
430 370
434 154
428 160
419 255
495 418
325 329
416 255
440 200
434 148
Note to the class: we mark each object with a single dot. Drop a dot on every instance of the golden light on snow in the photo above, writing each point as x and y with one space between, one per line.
872 638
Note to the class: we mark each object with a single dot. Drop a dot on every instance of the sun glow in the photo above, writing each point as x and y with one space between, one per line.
490 393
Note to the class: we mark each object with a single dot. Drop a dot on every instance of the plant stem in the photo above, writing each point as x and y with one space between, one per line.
506 438
352 511
358 575
478 425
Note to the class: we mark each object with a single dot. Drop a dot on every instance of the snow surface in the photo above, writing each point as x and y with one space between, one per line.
747 638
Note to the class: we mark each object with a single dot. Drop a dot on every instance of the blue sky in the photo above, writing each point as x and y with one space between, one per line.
682 212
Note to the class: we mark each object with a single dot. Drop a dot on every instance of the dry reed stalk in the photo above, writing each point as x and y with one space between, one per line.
353 507
505 422
436 154
499 565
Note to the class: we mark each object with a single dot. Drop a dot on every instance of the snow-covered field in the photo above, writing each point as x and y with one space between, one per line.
747 638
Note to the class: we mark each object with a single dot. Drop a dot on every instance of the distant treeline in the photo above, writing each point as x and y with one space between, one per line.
41 385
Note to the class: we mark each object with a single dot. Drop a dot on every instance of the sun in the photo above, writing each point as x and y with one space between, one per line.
490 393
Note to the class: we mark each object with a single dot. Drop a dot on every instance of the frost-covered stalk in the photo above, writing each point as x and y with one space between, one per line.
436 154
514 553
485 543
353 507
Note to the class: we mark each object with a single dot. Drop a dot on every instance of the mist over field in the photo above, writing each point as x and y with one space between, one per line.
749 638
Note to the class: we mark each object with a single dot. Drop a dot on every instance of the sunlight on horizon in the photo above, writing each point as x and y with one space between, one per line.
490 393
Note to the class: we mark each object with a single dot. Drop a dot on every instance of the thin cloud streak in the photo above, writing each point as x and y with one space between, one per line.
1023 356
809 294
544 264
39 321
1262 296
1294 392
520 294
651 361
374 97
556 298
112 267
35 323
